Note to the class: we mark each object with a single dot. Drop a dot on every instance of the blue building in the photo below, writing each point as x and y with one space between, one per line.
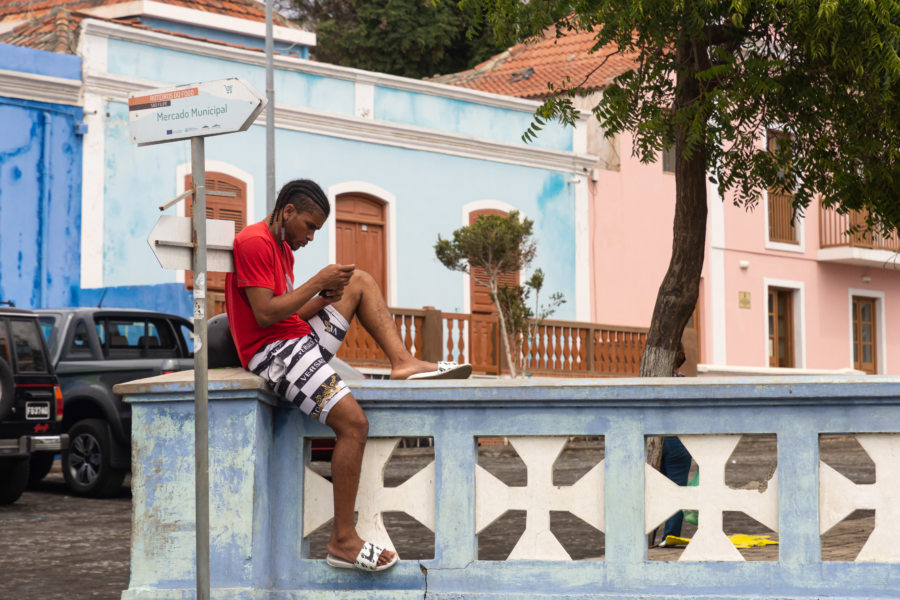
402 161
40 176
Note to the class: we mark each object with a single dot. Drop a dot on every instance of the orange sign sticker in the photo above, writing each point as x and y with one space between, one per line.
162 99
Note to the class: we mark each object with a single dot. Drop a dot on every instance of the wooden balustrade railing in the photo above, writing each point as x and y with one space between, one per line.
850 229
559 348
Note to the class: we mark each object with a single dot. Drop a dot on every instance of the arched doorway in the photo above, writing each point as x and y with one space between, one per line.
360 225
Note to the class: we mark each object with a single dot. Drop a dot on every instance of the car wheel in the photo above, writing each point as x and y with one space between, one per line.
13 479
7 389
41 463
86 464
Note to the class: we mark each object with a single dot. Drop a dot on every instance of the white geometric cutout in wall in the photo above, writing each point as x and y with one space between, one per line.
838 497
710 498
415 496
538 498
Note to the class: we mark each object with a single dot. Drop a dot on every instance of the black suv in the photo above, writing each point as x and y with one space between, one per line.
31 402
93 349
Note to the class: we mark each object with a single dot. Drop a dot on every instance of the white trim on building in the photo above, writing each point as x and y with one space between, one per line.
201 18
798 306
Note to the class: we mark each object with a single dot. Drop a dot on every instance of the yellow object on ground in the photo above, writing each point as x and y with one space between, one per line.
674 540
740 540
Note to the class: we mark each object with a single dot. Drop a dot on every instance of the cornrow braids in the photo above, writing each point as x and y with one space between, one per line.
304 194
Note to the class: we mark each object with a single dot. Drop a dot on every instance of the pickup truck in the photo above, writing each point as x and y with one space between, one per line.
31 403
93 349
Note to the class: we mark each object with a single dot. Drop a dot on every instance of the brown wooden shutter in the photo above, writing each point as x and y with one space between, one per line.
219 207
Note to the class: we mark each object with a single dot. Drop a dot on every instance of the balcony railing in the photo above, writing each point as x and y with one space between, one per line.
560 348
849 230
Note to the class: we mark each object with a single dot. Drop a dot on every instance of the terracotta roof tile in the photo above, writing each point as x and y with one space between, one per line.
55 32
525 69
18 10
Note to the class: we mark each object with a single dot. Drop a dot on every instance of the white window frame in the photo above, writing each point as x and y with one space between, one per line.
880 327
798 307
390 200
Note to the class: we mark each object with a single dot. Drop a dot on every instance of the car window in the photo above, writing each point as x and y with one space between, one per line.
133 338
28 345
50 331
4 343
187 334
80 346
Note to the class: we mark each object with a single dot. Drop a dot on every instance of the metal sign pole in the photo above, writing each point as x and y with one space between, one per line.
201 363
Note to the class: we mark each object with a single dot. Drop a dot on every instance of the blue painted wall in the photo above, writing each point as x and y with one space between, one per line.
466 118
39 62
40 203
157 64
430 189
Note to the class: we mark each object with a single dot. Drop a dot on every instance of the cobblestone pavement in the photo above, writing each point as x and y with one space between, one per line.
57 546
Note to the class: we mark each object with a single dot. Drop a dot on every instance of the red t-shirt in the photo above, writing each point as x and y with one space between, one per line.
259 261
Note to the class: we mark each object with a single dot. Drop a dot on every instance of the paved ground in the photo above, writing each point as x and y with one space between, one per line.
57 546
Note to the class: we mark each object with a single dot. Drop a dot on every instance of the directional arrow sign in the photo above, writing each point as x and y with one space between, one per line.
171 242
193 110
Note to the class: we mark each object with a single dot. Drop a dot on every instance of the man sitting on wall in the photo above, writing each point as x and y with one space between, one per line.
287 335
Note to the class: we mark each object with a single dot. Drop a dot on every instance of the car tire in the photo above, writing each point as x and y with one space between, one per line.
41 463
86 464
13 479
7 389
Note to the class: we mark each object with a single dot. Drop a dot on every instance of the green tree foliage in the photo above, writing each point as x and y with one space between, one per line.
412 38
496 245
711 77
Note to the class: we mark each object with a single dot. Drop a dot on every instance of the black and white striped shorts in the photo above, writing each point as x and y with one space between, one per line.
298 368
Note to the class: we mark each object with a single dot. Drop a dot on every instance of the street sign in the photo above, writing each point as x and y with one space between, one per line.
171 242
193 110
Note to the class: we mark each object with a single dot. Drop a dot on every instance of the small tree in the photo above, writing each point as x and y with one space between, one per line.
492 246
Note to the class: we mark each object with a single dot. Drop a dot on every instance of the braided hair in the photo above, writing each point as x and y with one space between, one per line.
304 194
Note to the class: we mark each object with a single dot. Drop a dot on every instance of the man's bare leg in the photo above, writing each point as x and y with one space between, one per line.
351 428
363 298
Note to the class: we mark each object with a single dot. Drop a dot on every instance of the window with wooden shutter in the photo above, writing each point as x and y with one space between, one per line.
782 224
232 207
480 296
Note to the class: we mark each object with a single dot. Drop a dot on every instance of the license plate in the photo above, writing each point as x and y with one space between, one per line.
37 411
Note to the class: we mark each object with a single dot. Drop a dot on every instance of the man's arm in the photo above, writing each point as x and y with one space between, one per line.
269 308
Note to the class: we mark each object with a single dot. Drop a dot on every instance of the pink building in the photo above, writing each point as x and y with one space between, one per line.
804 297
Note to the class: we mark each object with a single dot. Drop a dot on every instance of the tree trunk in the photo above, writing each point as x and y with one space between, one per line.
678 292
504 334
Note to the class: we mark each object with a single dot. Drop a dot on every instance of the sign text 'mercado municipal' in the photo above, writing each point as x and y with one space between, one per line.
193 110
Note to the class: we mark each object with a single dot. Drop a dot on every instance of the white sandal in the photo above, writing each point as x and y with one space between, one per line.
366 560
446 370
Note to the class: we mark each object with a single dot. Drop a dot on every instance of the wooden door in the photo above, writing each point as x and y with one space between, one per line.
360 224
864 335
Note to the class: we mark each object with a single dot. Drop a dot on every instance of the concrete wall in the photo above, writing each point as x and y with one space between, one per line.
265 501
